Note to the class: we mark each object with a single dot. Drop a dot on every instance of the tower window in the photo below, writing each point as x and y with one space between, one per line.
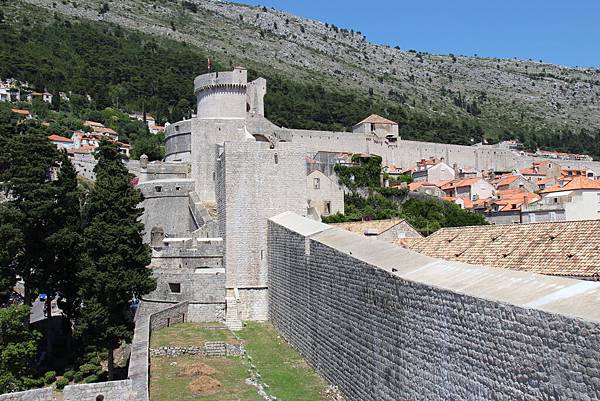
175 288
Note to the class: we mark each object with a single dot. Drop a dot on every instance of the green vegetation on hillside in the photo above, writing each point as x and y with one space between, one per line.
131 71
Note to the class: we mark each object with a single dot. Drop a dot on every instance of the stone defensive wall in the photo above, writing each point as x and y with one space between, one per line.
166 204
121 390
385 323
406 153
203 289
178 141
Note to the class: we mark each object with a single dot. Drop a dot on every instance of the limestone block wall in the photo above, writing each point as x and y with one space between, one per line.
384 323
406 153
42 394
112 391
255 182
178 141
207 135
200 285
168 316
166 205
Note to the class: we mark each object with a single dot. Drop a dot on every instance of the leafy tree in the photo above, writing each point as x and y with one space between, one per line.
429 215
115 258
18 349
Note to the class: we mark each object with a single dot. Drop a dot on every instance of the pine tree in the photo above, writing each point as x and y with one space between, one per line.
115 258
65 241
26 165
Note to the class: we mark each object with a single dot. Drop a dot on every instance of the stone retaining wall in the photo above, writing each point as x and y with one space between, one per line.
385 323
210 349
169 316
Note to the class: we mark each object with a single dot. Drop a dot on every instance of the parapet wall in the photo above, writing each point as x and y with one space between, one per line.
384 323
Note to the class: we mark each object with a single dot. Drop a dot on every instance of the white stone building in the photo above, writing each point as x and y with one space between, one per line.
325 194
580 198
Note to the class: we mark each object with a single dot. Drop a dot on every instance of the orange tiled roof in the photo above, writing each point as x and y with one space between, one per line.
375 119
576 183
379 226
21 112
459 183
93 124
59 138
560 248
506 180
413 186
533 170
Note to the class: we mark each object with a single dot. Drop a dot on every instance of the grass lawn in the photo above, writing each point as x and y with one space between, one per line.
281 367
168 383
190 334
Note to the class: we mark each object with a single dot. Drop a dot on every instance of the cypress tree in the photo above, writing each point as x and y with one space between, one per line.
115 258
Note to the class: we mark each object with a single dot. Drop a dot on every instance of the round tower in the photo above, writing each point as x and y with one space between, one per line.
222 94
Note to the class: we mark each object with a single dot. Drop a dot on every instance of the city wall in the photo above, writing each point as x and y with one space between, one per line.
406 153
403 153
384 323
255 182
166 204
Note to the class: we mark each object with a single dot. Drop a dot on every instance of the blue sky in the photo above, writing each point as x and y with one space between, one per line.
563 32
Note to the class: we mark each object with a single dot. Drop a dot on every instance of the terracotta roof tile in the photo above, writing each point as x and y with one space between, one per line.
560 248
576 183
375 119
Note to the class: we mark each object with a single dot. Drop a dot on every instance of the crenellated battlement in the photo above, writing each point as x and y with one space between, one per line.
238 78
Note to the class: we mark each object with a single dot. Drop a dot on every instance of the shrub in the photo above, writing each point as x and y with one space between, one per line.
78 377
69 375
49 377
88 368
61 383
91 379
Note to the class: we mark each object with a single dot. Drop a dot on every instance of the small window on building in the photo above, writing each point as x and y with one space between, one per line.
177 128
276 158
327 208
316 183
177 188
158 189
555 200
175 288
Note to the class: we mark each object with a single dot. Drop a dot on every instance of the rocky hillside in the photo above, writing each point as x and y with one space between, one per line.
498 93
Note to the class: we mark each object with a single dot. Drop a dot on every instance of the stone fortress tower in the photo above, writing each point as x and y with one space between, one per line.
208 203
228 170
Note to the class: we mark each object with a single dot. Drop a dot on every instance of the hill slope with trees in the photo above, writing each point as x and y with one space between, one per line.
143 55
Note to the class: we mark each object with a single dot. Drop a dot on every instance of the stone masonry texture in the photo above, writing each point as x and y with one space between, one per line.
42 394
379 336
255 182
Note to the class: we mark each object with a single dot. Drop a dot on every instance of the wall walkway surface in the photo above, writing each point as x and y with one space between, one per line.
385 323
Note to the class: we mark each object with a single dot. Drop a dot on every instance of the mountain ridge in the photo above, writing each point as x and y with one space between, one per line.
545 94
